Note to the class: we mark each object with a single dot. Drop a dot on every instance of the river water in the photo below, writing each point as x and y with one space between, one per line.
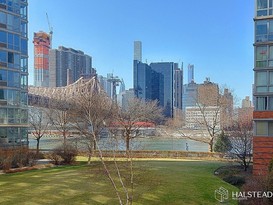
154 143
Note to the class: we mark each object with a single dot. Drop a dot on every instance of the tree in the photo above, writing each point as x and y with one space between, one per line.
60 115
138 114
39 123
241 136
92 111
223 143
212 112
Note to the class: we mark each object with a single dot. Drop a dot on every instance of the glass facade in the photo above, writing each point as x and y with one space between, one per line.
263 50
13 73
155 82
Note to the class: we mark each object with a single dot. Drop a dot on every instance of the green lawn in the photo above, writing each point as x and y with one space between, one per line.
157 182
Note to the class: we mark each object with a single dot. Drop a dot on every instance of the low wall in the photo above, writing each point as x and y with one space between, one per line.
165 154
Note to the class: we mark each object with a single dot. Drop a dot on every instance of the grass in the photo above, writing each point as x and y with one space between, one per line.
156 182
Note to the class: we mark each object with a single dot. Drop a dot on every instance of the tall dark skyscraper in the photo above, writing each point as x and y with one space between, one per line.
142 80
155 82
13 73
178 86
162 85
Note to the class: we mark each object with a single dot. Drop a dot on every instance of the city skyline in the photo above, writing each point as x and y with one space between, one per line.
218 45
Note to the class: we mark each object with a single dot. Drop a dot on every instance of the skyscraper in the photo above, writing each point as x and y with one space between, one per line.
156 82
142 80
162 86
190 73
68 63
138 51
178 86
41 59
263 87
13 73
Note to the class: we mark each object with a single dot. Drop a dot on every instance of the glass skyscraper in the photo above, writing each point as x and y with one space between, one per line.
155 82
263 86
13 72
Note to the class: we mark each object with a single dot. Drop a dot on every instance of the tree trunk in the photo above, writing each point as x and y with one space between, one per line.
127 143
211 145
94 145
38 146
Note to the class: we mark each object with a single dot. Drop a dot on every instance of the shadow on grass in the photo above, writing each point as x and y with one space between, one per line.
155 182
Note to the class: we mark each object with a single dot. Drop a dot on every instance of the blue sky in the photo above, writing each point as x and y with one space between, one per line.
214 35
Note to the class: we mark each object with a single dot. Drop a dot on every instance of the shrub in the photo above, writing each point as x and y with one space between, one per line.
234 180
13 157
57 159
223 143
68 154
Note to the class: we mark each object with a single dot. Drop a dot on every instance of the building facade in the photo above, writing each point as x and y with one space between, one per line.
246 102
42 45
189 96
13 73
138 51
198 119
190 73
155 82
67 65
178 86
162 86
142 80
263 86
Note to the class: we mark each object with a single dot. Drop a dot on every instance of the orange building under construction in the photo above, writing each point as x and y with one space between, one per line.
41 58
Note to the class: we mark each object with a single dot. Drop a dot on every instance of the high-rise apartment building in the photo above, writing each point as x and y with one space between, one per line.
263 86
246 102
13 73
67 65
190 73
138 51
41 59
208 93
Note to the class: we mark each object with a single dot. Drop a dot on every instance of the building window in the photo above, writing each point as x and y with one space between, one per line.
3 132
261 103
23 64
3 116
3 56
264 128
24 46
264 7
3 36
261 128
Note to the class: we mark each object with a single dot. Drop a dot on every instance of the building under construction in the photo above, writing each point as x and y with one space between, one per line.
41 58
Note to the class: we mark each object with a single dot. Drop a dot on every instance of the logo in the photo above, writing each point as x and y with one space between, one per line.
221 194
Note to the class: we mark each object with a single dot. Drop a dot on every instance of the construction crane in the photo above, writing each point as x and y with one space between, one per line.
50 30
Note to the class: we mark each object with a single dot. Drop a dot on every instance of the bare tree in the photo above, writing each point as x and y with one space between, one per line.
39 124
212 112
241 136
92 113
138 114
60 115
